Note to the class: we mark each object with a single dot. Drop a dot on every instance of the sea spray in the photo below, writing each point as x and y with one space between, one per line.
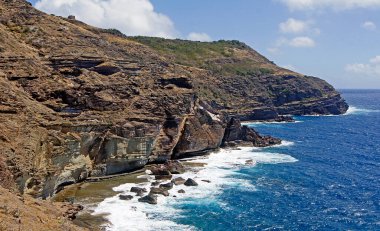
218 172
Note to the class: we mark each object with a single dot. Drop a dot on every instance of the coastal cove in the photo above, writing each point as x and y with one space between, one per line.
284 187
106 130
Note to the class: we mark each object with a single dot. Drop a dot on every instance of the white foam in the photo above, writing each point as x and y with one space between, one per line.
284 143
354 111
220 168
270 122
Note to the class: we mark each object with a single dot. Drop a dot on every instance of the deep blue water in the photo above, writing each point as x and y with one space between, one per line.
335 185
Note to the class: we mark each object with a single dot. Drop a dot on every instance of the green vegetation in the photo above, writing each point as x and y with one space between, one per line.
221 56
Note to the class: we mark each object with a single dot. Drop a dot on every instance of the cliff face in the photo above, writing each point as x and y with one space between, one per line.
78 101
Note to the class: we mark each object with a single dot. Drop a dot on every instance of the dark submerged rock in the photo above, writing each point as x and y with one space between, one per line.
125 197
150 199
191 182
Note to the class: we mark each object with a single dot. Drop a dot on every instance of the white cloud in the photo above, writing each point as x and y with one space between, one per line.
370 69
333 4
375 60
297 42
302 42
202 37
132 17
294 26
368 25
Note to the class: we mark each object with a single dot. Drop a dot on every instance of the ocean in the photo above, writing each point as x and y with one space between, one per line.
324 176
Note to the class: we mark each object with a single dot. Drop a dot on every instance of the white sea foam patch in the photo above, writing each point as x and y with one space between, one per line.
220 172
268 123
354 110
284 143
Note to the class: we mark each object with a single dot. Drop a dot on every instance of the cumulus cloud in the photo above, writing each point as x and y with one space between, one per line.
372 68
202 37
132 17
294 26
302 42
368 25
332 4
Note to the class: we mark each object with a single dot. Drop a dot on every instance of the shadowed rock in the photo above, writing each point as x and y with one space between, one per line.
190 182
178 181
167 186
150 199
125 197
162 191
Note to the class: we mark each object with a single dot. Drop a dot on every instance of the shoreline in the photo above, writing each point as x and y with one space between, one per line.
121 184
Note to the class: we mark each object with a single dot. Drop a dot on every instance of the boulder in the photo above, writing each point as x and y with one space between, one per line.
167 186
178 181
125 197
175 167
160 171
139 191
191 182
150 199
161 191
181 191
207 181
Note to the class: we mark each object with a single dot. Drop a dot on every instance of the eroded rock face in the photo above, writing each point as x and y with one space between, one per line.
201 133
236 135
78 102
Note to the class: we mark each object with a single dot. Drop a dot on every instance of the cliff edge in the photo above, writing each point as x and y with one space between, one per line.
79 101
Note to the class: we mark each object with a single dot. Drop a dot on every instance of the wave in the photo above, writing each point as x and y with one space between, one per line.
354 111
270 122
284 143
220 168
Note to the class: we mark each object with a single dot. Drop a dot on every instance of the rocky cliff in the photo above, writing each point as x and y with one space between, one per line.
79 101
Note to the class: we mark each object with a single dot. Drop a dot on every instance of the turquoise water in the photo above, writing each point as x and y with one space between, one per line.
334 185
325 177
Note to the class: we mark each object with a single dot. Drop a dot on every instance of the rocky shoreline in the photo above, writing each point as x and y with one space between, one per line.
167 180
79 102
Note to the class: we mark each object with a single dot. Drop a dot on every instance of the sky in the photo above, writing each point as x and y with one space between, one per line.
336 40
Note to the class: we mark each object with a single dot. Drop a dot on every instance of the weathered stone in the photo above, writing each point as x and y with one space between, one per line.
125 197
181 191
178 181
167 186
162 191
236 134
139 191
175 167
150 199
190 182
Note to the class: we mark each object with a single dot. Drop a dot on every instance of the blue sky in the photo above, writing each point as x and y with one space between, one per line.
334 40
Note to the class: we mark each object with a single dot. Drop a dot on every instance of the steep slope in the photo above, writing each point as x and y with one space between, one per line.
242 82
78 101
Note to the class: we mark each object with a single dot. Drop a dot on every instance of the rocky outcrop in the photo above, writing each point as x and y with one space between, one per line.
78 101
238 135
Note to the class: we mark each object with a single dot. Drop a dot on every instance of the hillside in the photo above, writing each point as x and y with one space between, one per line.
79 101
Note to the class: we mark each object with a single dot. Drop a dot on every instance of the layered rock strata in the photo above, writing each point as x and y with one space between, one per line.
78 101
